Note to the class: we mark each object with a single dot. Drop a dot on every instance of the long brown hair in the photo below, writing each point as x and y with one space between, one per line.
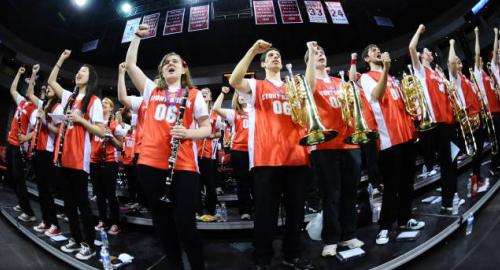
186 80
236 105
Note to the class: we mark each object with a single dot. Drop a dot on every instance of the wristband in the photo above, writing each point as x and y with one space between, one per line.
354 61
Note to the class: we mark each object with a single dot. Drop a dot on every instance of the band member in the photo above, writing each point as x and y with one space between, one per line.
207 153
495 58
175 222
18 137
237 117
43 152
491 99
440 111
471 101
277 160
336 164
104 168
397 149
84 118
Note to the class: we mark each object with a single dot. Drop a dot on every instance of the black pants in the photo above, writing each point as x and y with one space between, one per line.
46 178
479 136
240 162
426 148
270 185
443 134
175 223
134 191
76 199
17 178
495 159
369 155
397 165
338 172
207 171
104 181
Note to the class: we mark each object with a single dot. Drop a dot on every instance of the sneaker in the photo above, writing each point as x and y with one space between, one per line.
17 208
42 227
85 252
100 226
52 231
93 198
61 216
135 206
482 186
245 217
298 264
114 230
353 243
413 224
26 218
329 251
71 246
219 191
382 237
432 173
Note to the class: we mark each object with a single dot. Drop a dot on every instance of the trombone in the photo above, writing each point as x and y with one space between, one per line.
486 115
353 114
304 111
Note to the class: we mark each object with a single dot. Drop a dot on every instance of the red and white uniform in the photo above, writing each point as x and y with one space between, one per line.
496 72
435 94
24 110
46 138
467 94
239 129
394 124
77 146
129 145
207 148
487 88
111 151
160 117
139 107
273 138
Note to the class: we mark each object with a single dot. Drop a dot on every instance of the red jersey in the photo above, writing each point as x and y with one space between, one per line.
77 146
326 96
273 138
46 138
139 107
128 146
160 116
394 124
470 96
207 146
111 152
24 110
487 87
239 129
435 95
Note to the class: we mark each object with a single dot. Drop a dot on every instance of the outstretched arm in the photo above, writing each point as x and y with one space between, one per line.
218 102
494 58
55 72
413 47
134 72
452 59
477 49
122 88
379 89
353 70
15 82
30 93
311 64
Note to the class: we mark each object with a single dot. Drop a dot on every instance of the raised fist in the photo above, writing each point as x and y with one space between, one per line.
21 70
421 28
386 59
495 30
36 68
225 89
122 68
260 46
354 56
476 30
452 42
142 30
65 55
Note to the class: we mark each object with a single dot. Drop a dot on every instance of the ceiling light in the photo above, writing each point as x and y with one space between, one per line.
126 8
80 3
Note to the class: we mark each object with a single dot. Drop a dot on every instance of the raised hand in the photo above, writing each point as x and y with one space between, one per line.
36 68
142 30
65 55
260 46
476 30
21 70
225 89
122 68
452 42
386 60
421 28
354 56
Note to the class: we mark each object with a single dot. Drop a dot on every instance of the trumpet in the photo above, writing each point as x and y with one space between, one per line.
468 125
353 114
304 111
414 101
486 115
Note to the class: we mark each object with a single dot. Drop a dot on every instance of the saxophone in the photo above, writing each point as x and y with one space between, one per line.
175 144
67 109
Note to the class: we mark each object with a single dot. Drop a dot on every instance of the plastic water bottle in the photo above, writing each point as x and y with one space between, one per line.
456 201
470 224
469 188
218 213
223 212
375 213
104 238
105 258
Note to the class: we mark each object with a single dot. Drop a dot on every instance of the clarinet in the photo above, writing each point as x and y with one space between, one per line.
21 148
174 150
67 109
37 134
104 144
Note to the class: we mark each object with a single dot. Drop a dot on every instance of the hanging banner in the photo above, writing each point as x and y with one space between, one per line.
336 12
315 12
174 21
152 21
290 12
130 28
264 12
198 18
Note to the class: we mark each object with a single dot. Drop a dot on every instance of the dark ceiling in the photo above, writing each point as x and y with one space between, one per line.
53 25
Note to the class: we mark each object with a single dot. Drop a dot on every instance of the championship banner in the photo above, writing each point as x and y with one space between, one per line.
152 21
315 12
336 12
264 12
130 28
174 21
290 12
198 18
